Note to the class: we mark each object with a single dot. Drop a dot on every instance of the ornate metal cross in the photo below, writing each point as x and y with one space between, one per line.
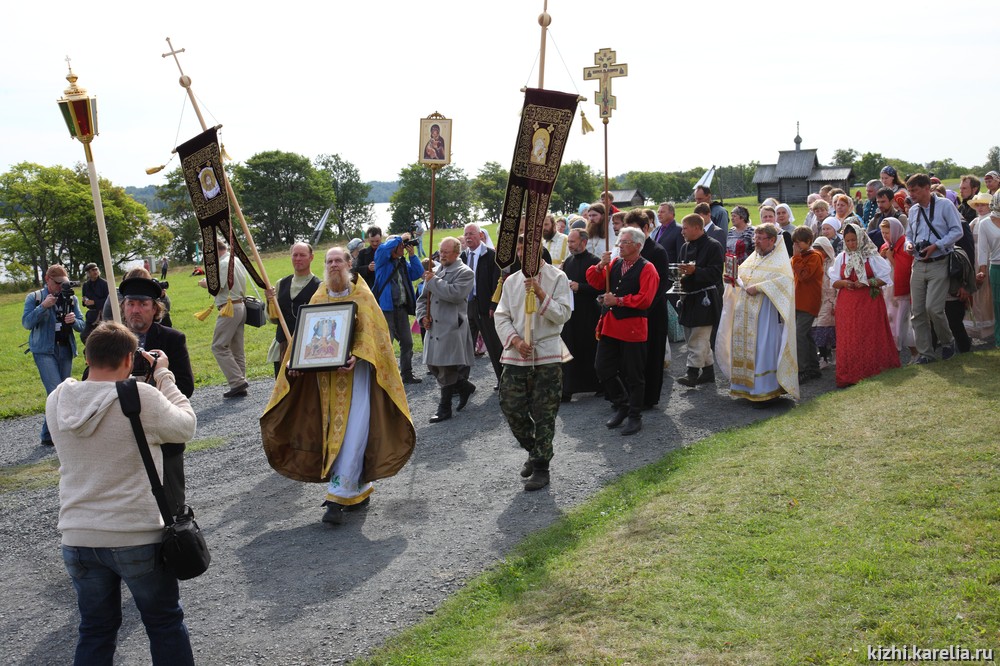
606 69
173 52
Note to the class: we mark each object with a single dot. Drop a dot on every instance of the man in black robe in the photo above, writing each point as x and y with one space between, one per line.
579 375
655 254
702 258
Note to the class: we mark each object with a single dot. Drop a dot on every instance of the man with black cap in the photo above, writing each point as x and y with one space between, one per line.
95 294
139 310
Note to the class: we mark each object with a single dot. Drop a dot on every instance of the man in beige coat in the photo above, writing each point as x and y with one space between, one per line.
443 310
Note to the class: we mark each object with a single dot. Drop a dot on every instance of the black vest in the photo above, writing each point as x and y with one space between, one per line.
624 285
290 306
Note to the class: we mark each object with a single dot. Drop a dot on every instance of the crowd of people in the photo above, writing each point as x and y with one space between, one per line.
910 274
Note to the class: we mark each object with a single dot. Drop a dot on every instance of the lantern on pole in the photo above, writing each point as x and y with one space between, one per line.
79 110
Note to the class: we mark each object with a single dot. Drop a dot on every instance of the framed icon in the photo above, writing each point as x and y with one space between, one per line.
435 140
324 334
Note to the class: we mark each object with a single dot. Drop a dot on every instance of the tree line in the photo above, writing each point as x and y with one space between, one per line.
47 216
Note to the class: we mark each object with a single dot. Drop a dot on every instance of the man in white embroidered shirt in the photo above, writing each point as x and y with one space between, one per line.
531 382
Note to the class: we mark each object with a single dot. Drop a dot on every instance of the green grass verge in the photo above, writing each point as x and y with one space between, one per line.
45 473
864 517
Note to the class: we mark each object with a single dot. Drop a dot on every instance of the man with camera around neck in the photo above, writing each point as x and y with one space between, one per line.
139 313
110 524
393 290
51 314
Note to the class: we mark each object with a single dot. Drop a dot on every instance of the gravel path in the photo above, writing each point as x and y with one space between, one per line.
284 588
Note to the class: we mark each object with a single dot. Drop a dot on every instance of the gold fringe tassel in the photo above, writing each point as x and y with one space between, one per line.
203 315
151 170
498 291
584 123
272 310
227 309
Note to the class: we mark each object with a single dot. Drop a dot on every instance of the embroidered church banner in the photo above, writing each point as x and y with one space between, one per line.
201 163
541 140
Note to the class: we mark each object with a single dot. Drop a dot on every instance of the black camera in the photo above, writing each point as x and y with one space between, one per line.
64 300
141 367
413 242
921 246
164 285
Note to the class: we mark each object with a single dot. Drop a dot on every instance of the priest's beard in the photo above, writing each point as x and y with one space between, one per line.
548 234
338 281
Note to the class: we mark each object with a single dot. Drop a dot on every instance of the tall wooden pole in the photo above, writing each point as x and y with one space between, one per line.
607 209
185 82
430 238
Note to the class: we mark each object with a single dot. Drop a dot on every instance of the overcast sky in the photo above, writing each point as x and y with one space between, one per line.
708 83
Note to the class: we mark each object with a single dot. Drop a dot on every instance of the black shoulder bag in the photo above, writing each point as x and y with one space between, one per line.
954 264
184 551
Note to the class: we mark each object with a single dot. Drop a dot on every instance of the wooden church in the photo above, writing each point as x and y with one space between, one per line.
797 173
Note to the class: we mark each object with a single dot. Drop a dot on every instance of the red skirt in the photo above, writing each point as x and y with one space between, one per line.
865 346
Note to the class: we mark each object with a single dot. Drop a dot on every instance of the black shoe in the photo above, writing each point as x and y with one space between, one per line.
409 378
237 392
334 514
527 468
539 476
617 419
567 397
360 505
632 425
465 389
691 379
707 375
443 412
48 442
497 387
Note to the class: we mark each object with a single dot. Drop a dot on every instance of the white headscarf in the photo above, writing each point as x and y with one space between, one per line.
791 215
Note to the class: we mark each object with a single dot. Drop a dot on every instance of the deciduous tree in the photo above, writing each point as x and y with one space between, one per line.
410 205
488 190
353 211
284 196
576 184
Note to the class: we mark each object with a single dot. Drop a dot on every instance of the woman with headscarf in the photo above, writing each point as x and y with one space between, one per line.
863 334
739 240
897 299
890 179
824 326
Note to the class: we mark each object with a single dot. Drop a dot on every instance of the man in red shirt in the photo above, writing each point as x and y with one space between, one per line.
807 266
631 284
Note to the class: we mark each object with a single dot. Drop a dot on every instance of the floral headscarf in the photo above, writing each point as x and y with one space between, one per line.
855 261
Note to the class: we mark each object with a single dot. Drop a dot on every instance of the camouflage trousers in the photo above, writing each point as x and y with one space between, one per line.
529 399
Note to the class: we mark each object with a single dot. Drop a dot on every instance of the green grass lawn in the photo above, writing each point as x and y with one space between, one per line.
860 518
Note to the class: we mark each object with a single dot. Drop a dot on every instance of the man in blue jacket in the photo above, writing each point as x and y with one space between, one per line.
52 314
393 290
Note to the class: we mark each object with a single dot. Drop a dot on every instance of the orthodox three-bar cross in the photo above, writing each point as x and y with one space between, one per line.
605 69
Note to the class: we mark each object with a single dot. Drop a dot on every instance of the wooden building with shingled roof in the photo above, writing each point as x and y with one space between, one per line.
796 174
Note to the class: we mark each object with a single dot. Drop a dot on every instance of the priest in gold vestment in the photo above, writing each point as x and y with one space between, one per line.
347 427
756 342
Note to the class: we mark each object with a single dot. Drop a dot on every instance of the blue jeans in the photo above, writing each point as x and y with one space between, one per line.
53 369
97 575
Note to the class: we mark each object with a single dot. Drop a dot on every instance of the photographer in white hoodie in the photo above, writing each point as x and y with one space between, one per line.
111 526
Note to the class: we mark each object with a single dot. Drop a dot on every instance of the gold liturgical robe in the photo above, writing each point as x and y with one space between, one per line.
303 425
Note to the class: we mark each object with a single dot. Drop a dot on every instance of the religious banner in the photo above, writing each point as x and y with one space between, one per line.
541 139
201 163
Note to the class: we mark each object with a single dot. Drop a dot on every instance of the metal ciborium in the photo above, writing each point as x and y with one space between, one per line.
675 274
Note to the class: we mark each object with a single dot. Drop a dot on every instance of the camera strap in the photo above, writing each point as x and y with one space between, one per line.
922 214
128 398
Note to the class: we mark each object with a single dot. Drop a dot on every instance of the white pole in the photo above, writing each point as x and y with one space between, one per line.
102 233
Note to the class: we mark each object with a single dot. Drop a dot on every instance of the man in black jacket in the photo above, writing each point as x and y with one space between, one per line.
700 306
482 260
292 292
95 294
364 265
139 310
655 254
